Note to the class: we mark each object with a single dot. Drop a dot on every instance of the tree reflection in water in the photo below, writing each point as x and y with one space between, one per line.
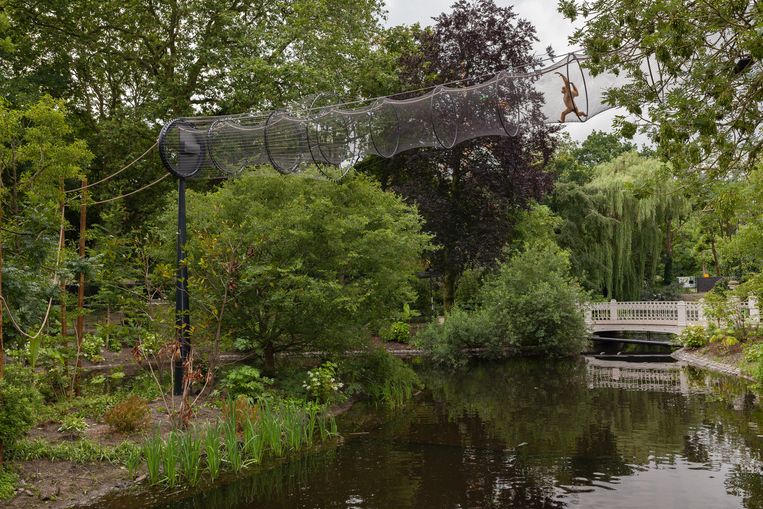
529 434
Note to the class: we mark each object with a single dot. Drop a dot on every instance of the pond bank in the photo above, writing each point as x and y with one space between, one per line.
724 365
92 482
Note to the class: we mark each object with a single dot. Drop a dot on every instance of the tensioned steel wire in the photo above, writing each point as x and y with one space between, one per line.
339 135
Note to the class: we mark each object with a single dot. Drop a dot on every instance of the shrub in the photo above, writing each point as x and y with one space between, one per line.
462 330
130 414
245 381
398 331
533 301
92 346
19 405
322 383
694 336
468 288
73 425
382 376
8 482
753 353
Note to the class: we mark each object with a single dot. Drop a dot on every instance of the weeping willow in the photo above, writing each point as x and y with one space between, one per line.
617 224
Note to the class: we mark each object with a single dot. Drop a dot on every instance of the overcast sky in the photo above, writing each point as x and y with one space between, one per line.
551 28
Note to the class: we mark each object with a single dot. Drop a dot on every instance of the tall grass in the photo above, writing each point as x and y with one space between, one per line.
170 459
212 451
232 451
190 457
243 438
152 450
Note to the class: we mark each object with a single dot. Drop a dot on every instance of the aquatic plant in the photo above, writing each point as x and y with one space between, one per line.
170 459
189 452
152 450
212 450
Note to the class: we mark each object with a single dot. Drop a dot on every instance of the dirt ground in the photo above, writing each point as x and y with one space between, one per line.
63 484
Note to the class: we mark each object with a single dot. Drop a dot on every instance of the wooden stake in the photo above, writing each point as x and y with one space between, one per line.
80 327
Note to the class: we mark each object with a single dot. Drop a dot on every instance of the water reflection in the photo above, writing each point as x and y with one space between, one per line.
533 435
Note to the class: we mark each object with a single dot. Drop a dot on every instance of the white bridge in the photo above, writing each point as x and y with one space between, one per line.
655 316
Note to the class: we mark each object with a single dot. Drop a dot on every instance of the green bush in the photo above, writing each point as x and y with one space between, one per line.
462 330
694 336
532 303
384 378
20 402
468 288
322 383
8 482
130 414
398 331
245 381
92 346
753 353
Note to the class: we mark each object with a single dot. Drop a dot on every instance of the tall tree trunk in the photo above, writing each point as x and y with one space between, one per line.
449 289
2 309
270 358
80 327
62 284
667 275
715 257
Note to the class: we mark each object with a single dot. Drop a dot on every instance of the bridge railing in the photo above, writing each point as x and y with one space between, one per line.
659 313
679 313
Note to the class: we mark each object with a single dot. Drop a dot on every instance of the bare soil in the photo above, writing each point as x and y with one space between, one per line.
62 484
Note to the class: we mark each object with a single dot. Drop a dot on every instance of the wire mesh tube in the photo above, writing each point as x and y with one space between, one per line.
337 136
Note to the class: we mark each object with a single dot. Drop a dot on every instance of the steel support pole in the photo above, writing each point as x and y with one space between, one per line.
182 318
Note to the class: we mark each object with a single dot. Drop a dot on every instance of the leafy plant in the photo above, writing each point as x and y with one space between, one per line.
130 414
245 381
386 379
73 425
92 346
322 383
753 353
397 331
19 402
694 336
8 480
212 446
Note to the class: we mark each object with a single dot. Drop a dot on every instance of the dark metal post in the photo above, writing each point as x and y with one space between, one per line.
182 318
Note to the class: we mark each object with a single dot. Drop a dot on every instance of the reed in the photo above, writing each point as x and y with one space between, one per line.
253 442
152 450
232 450
212 444
170 459
189 452
133 460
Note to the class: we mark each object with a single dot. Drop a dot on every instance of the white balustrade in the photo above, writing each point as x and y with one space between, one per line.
669 316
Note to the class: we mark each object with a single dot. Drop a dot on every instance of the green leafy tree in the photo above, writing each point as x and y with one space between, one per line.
620 224
703 111
126 66
38 152
470 194
283 264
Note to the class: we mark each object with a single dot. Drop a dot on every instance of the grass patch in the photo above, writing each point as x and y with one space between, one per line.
80 451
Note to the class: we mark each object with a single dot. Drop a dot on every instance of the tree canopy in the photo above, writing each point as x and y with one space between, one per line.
703 110
287 264
469 194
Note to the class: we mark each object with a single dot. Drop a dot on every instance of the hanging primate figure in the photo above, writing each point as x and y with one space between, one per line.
569 92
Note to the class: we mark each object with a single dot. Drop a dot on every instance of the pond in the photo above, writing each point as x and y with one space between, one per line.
532 434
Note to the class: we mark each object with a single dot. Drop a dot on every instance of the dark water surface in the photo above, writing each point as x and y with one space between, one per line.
529 434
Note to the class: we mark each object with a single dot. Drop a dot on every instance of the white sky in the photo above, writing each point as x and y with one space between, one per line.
551 28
